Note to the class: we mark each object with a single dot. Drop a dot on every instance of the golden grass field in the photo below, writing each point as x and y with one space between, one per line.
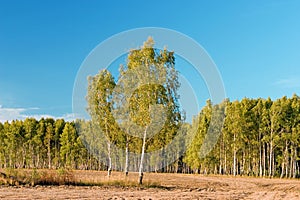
159 186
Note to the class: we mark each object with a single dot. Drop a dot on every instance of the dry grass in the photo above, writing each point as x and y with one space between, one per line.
15 177
96 185
43 177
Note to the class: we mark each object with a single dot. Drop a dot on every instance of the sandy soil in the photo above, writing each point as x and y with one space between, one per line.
175 186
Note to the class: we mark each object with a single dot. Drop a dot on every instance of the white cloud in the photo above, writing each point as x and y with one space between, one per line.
69 117
9 114
288 83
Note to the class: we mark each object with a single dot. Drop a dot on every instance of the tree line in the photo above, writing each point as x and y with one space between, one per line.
44 143
260 137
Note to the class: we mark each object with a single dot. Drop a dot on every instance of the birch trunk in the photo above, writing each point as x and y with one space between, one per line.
260 156
234 156
270 155
126 158
142 157
109 159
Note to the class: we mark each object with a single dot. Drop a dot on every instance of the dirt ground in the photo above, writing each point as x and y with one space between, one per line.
174 186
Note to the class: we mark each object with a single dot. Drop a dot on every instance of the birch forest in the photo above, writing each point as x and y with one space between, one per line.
258 137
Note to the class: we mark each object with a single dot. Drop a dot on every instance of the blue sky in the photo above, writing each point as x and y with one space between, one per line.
255 45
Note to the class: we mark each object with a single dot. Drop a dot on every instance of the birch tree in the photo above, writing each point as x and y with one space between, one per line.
149 84
100 89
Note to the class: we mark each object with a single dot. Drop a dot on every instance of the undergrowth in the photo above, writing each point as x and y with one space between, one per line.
37 177
16 177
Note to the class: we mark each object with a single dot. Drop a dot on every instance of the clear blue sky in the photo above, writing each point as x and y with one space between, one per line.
255 44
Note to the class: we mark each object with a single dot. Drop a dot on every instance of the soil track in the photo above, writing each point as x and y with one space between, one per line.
174 186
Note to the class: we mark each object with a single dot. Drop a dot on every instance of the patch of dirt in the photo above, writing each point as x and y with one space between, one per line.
174 186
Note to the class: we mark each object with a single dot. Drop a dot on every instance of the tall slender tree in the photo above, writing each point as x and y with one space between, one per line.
99 106
148 84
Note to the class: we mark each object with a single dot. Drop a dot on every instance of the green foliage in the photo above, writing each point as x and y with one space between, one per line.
149 86
260 137
127 112
68 142
263 136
